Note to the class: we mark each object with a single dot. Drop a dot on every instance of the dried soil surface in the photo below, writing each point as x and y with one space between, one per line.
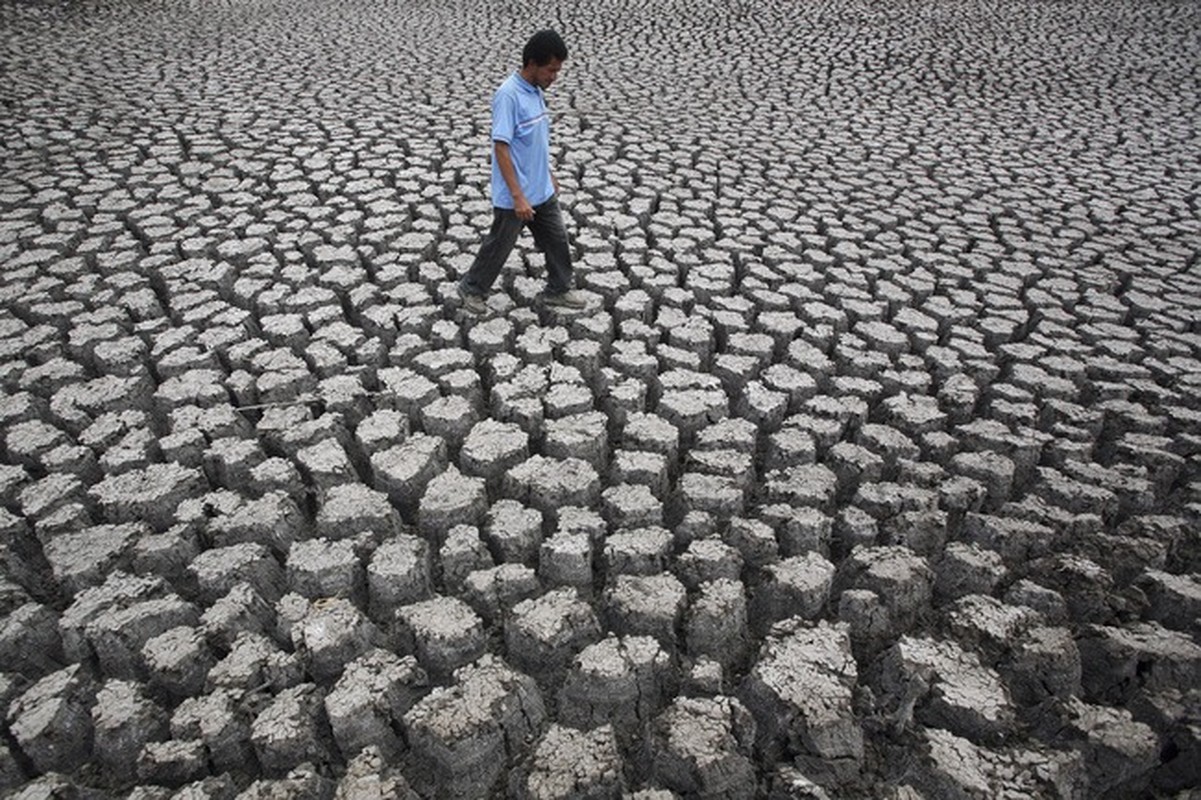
870 469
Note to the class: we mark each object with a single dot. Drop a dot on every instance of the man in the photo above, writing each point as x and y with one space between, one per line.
524 192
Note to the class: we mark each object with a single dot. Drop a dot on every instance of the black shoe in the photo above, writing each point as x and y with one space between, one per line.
568 299
472 303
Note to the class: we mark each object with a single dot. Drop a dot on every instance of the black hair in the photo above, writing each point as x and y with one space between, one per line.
543 47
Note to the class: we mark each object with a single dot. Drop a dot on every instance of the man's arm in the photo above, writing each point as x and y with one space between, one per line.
504 160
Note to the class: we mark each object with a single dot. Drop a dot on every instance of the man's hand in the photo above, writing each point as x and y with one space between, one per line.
523 209
521 206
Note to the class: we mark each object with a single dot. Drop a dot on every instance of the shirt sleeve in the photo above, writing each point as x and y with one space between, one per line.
504 117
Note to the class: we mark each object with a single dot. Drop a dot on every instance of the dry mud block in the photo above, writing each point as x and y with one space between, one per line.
177 661
645 605
444 632
51 721
222 722
543 634
30 641
321 568
702 747
620 682
1119 661
118 634
451 499
569 763
945 686
952 766
84 558
292 730
218 571
366 706
800 692
369 775
465 734
149 494
399 573
491 449
548 484
513 532
332 633
716 622
797 586
403 471
881 428
352 509
124 720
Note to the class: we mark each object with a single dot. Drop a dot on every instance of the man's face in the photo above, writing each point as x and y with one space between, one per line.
543 76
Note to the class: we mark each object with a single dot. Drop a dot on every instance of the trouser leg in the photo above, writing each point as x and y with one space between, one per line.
550 235
494 250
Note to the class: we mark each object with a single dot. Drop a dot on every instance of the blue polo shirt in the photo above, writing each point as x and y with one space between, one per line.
520 119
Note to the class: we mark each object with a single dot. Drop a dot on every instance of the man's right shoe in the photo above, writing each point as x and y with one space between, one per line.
568 299
473 303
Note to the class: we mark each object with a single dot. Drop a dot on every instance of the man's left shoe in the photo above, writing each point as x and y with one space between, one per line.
568 299
472 303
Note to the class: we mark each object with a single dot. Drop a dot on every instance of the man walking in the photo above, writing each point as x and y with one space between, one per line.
524 193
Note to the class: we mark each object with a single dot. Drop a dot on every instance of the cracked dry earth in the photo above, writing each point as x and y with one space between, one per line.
871 469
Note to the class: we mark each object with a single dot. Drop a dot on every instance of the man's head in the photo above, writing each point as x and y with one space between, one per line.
542 58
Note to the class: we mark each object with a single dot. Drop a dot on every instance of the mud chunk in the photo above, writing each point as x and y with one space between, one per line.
1121 660
902 580
543 634
241 609
797 586
399 573
964 569
945 686
292 730
513 532
150 494
617 681
569 763
444 632
118 634
366 706
222 722
645 605
708 560
450 499
177 661
348 510
368 776
173 762
30 641
800 692
565 559
465 734
462 553
124 720
403 471
702 747
491 449
548 484
217 571
51 720
82 559
716 622
1119 752
642 551
332 634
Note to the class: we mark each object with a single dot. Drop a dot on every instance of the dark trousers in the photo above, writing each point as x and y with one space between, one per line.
550 236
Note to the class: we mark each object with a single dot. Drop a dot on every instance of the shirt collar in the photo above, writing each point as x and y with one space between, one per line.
525 85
